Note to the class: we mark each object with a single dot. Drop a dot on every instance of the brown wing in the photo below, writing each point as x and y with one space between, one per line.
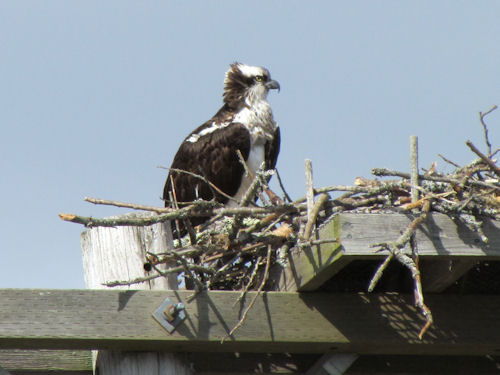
213 156
272 150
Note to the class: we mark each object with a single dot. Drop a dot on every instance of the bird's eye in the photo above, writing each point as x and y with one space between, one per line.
260 78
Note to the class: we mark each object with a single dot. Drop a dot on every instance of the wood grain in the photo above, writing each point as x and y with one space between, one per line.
278 322
439 238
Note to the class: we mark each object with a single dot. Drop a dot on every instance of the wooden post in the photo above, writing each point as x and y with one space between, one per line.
332 364
111 254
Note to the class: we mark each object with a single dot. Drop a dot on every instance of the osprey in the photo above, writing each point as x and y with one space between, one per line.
245 123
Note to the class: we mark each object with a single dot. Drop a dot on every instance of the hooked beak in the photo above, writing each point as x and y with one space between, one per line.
273 85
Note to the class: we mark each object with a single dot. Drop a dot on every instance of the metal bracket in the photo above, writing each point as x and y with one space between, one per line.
170 314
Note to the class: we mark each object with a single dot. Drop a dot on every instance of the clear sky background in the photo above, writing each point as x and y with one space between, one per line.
94 95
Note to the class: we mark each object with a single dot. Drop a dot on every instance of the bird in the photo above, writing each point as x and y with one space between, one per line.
244 123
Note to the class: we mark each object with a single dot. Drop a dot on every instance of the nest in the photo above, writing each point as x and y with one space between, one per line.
237 247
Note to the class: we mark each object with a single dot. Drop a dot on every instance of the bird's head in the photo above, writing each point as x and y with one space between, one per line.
245 83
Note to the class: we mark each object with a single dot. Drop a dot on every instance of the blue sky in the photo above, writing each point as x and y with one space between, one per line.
95 95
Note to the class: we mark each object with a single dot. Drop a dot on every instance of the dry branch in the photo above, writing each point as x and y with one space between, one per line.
133 206
486 159
313 215
261 286
196 209
414 168
485 128
309 188
387 172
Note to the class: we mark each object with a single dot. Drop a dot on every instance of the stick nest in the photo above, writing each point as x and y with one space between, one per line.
236 248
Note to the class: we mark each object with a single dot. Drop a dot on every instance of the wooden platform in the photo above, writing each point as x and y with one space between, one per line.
440 238
279 322
44 331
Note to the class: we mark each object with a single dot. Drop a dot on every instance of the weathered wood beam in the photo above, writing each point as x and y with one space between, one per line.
439 238
79 362
45 361
66 362
424 365
278 322
439 274
251 363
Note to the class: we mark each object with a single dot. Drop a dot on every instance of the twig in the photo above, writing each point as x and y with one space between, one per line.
186 251
327 189
257 183
309 188
414 168
387 172
252 176
318 242
250 281
380 271
159 274
129 205
381 188
485 128
133 281
90 222
196 209
250 305
187 222
449 161
260 224
249 195
220 272
422 201
244 164
188 271
313 215
273 224
486 159
350 203
395 248
287 197
173 201
495 152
